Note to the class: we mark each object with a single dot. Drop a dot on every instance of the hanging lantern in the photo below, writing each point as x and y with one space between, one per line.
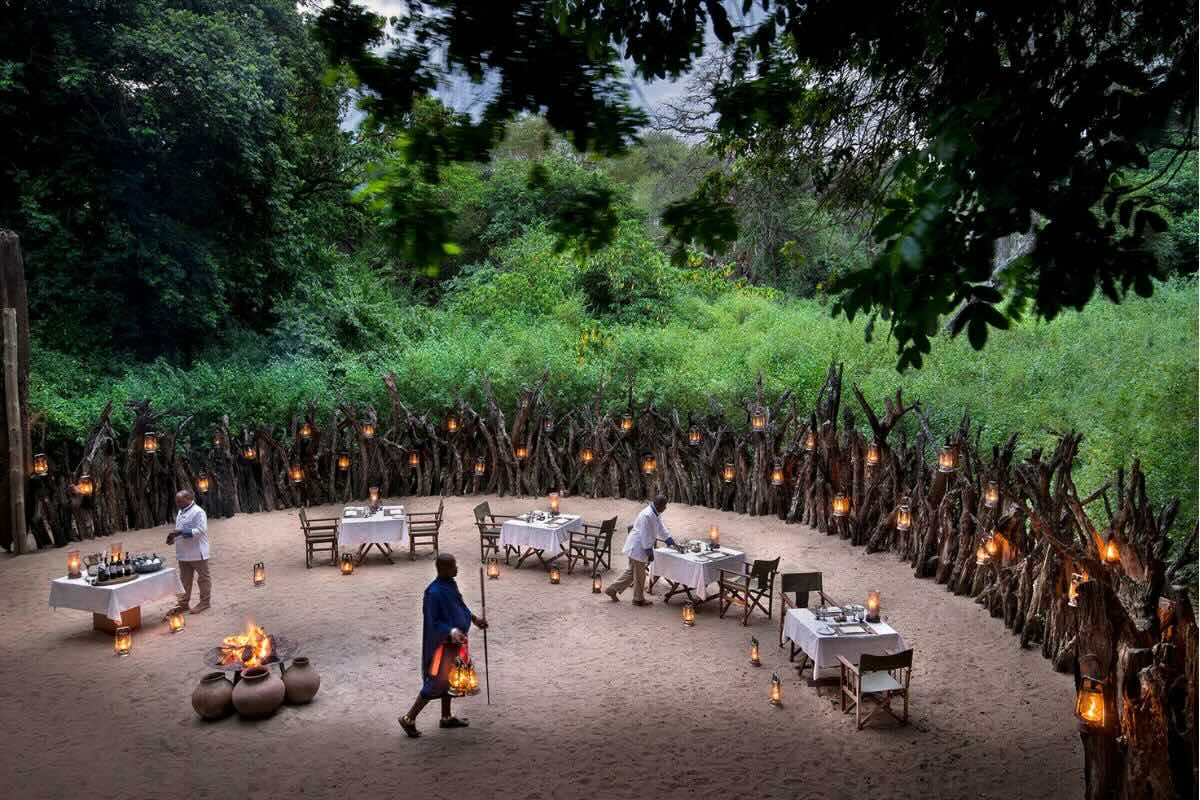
368 430
754 659
471 679
150 442
248 452
1112 554
626 422
305 430
841 505
776 690
554 502
548 425
218 439
810 441
343 462
493 569
452 424
123 641
458 678
649 464
991 495
758 419
414 459
176 620
1073 589
728 473
259 574
203 483
73 562
777 474
521 452
41 465
981 555
116 552
695 437
903 518
586 456
555 575
872 606
948 459
714 535
689 614
873 454
1089 702
296 473
347 564
992 546
480 466
597 584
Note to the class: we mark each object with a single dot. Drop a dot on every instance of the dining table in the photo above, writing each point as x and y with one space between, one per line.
823 640
691 573
538 534
387 526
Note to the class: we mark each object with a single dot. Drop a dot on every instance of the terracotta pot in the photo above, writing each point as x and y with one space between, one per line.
301 681
213 696
258 693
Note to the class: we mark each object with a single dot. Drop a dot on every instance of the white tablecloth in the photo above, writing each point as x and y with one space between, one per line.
112 600
540 535
376 529
801 627
693 570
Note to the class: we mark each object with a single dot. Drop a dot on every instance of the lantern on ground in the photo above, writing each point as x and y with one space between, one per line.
176 620
150 442
689 614
586 456
873 454
1089 702
249 453
555 575
296 473
728 473
695 437
903 518
810 441
626 422
754 659
203 483
259 575
368 430
649 464
872 606
41 465
86 485
343 462
714 535
1073 589
493 569
758 419
305 430
480 466
1112 554
554 502
981 555
991 495
347 564
597 584
452 424
948 459
73 562
414 459
841 505
776 690
123 641
521 452
777 474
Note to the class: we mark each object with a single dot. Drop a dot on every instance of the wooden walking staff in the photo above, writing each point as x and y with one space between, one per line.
487 681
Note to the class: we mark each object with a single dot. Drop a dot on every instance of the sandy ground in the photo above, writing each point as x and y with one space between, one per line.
589 698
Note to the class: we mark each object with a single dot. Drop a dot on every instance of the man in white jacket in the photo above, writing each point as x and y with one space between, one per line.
190 538
639 547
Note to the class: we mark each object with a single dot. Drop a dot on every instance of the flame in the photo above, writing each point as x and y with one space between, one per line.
252 648
1091 709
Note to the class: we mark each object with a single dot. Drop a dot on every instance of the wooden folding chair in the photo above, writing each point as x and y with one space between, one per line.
489 533
320 536
750 587
423 529
799 584
878 679
593 545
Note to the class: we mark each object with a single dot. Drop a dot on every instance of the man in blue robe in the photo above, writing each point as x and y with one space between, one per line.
447 620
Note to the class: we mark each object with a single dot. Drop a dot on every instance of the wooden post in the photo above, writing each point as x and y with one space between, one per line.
16 457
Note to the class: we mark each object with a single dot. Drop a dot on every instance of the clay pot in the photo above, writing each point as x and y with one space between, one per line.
213 696
301 681
258 693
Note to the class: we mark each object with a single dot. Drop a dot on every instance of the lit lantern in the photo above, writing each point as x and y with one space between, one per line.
948 459
86 485
1112 554
776 690
117 551
296 473
458 678
981 555
992 546
1089 702
480 466
249 453
1073 589
203 483
123 641
586 456
373 496
555 575
73 564
347 564
548 425
649 464
714 535
175 620
754 659
777 474
554 502
41 465
218 439
841 505
343 462
521 452
810 441
471 679
872 606
626 423
414 459
368 430
695 437
689 614
150 442
991 495
260 573
873 454
493 569
452 424
758 419
728 472
903 518
305 431
597 584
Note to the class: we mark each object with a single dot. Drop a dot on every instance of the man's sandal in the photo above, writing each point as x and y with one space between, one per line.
453 722
409 726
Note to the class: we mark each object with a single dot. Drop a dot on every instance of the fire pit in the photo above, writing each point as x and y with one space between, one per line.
253 648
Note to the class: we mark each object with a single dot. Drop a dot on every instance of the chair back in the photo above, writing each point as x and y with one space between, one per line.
303 519
441 508
801 583
764 572
608 526
482 511
869 663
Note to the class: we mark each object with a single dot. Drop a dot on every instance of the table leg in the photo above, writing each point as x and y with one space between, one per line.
362 553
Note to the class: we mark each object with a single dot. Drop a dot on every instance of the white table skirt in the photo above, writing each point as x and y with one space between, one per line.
376 529
692 570
112 600
538 535
800 625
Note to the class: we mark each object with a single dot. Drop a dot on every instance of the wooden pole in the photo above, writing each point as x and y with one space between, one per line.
487 680
16 457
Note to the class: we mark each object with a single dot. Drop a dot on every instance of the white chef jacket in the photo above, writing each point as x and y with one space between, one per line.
646 528
192 542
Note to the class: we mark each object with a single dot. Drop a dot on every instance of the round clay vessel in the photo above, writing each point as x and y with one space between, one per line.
301 681
213 696
258 693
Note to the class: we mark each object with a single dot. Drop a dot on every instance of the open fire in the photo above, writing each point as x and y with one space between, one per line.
250 649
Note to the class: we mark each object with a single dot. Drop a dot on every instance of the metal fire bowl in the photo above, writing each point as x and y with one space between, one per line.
283 650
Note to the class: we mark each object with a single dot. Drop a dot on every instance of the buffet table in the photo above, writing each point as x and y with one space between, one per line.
118 604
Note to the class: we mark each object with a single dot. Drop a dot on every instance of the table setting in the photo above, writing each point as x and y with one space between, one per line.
363 528
690 568
114 587
538 532
824 633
